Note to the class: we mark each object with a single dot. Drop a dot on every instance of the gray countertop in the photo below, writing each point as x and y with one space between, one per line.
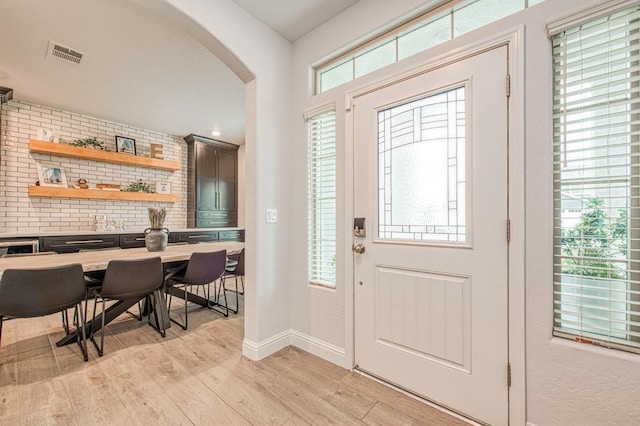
134 231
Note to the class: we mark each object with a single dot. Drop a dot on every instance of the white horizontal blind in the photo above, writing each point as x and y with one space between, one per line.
596 159
322 198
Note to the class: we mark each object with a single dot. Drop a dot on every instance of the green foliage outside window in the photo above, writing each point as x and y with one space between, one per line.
592 245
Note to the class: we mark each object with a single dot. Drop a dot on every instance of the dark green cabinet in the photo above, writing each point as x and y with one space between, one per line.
75 243
212 183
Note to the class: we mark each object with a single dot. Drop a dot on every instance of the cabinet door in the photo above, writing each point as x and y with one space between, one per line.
131 240
206 162
236 235
227 164
194 237
71 244
216 218
227 177
207 194
227 197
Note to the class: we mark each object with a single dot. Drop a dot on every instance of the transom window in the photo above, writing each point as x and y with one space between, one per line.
451 19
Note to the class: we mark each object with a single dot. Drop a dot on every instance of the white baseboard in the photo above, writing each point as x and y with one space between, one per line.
320 348
257 351
531 424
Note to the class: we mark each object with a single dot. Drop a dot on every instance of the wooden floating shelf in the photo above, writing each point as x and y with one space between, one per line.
98 194
64 150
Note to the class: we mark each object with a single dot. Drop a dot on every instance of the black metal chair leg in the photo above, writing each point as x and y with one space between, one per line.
217 301
102 328
186 297
186 302
223 288
86 310
237 298
81 333
92 337
65 321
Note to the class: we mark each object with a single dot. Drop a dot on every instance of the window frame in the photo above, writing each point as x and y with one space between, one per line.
588 330
445 9
322 200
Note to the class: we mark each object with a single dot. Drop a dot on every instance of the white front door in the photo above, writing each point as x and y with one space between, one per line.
431 290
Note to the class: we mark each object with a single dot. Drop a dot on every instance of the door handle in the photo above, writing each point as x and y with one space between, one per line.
83 242
358 248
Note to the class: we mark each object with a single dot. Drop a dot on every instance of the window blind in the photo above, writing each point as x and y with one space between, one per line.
596 176
322 198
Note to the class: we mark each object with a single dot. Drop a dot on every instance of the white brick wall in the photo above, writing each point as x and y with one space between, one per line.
20 213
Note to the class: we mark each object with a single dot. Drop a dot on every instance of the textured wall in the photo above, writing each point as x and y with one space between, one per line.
20 213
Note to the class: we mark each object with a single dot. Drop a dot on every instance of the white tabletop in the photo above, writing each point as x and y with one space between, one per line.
98 260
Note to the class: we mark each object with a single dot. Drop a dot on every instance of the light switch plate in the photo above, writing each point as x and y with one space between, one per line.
272 215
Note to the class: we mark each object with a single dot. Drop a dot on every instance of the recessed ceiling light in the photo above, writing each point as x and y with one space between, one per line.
216 133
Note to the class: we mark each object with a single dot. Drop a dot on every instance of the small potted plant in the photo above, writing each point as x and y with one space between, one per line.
89 143
139 186
156 236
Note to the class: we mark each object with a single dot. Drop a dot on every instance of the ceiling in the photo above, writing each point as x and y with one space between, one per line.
294 18
138 68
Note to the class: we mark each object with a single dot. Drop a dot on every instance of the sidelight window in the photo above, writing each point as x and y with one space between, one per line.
322 198
596 174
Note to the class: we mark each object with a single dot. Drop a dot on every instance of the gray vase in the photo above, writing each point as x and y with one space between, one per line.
156 238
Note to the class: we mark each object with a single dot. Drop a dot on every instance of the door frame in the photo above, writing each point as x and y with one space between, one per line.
514 40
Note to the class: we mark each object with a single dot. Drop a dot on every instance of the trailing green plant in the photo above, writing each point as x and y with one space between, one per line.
156 217
90 143
588 249
138 186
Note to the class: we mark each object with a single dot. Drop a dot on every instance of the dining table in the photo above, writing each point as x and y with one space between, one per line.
98 260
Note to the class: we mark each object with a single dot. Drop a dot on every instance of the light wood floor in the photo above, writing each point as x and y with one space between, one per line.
193 377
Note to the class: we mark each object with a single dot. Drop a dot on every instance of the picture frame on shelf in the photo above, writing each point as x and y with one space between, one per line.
51 175
125 145
163 187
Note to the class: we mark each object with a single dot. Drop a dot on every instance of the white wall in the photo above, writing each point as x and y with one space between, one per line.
566 383
262 59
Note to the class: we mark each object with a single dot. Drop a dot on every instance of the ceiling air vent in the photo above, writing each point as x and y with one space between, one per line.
6 95
63 52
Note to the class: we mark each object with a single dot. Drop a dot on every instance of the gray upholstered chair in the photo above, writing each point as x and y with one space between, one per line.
203 269
27 293
236 271
128 280
65 316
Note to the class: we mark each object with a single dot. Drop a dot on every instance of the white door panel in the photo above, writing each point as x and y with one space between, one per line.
431 287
